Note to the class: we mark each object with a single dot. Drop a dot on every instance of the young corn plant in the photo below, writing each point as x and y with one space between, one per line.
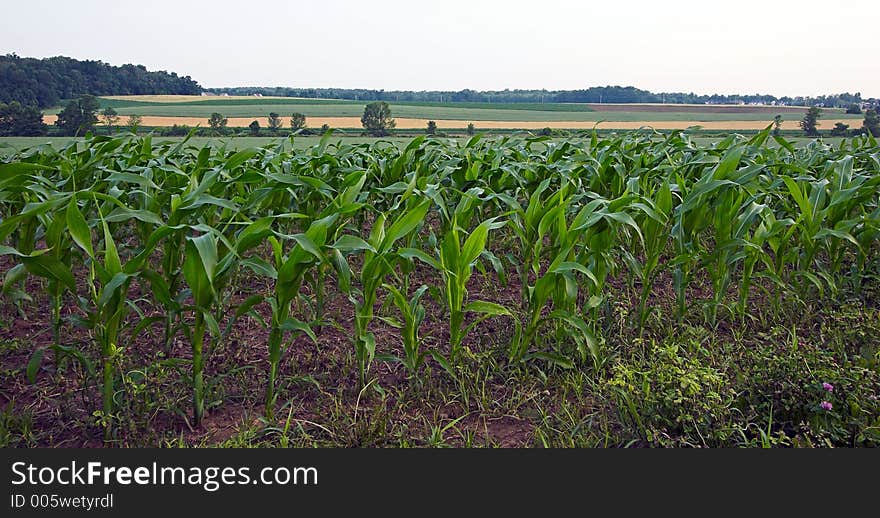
311 250
208 260
454 259
381 255
654 225
559 284
413 314
108 286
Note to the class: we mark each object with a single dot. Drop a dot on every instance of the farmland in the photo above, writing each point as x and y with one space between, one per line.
241 111
640 289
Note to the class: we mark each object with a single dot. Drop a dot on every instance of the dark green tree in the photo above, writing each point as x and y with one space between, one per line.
19 120
840 130
810 121
254 129
470 128
872 122
110 117
377 119
854 109
274 122
78 117
297 121
432 128
217 122
777 125
325 128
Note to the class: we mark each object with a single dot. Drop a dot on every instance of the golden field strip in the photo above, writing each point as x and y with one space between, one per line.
408 123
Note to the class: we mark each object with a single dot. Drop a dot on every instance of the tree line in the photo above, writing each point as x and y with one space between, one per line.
46 82
596 94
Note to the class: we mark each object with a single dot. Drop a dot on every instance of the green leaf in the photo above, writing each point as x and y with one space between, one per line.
551 358
260 267
439 358
838 234
239 158
111 255
109 290
8 250
18 168
78 228
253 234
292 324
349 243
486 308
124 214
33 365
308 245
413 253
405 224
213 326
799 198
784 143
206 245
49 267
195 276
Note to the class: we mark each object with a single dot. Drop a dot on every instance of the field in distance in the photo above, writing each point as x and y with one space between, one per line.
160 110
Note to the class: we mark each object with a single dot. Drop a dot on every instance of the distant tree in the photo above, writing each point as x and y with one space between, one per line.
872 122
217 122
546 132
134 122
470 128
19 120
777 125
175 131
840 130
297 122
78 117
377 118
254 129
432 128
854 109
110 117
810 120
275 123
325 128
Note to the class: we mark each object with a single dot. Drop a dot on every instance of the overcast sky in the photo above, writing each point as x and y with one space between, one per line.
780 47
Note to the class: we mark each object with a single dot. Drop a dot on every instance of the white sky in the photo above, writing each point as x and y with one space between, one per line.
780 47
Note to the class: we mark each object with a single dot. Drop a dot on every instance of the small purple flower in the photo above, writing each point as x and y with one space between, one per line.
825 405
828 386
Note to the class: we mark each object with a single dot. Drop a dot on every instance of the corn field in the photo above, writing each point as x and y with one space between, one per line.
179 248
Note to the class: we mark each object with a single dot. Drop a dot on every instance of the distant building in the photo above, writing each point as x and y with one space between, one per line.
258 95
